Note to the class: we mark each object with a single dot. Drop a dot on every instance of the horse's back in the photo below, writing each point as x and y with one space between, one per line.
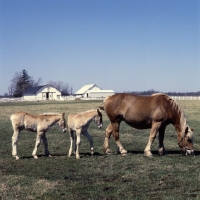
17 116
137 111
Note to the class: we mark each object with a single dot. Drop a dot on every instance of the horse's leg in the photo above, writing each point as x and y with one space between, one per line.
88 136
14 143
45 142
78 140
109 130
37 144
161 149
116 136
71 136
154 130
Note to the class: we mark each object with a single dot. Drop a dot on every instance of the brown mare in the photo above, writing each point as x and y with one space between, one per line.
144 112
79 123
35 123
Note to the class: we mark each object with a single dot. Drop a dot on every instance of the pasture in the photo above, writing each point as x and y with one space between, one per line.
100 176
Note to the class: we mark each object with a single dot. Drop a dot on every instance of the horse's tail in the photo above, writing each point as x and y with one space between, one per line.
102 106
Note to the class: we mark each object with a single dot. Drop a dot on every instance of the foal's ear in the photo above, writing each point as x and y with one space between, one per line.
98 111
63 114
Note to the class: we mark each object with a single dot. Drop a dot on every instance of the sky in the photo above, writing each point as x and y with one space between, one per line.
122 45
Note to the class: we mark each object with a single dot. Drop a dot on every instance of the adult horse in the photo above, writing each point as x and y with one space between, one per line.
143 112
35 123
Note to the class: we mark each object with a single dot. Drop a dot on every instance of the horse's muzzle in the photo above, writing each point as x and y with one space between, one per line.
64 130
100 126
189 152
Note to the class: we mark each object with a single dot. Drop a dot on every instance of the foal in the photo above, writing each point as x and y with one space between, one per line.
80 122
35 123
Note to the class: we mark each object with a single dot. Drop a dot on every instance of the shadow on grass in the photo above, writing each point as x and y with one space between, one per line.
196 153
97 154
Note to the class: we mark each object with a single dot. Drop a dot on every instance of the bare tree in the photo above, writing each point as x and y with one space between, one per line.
65 88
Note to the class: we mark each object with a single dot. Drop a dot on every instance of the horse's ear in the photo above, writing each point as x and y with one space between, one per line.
186 130
63 114
101 107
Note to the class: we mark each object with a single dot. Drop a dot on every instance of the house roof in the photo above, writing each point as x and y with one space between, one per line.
85 88
32 90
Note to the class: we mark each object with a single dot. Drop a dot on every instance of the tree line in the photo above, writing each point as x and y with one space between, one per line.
22 80
150 92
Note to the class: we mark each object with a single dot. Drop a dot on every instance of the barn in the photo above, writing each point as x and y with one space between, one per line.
44 92
93 91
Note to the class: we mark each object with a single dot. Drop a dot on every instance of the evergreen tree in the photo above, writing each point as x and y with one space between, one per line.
21 81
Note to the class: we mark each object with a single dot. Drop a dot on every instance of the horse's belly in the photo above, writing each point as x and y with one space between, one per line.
139 124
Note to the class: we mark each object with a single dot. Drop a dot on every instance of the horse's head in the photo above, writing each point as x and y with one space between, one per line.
98 119
62 123
186 142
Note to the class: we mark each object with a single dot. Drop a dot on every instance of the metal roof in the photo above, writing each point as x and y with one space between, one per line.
85 88
32 90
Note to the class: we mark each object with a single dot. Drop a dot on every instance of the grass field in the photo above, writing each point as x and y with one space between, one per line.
101 176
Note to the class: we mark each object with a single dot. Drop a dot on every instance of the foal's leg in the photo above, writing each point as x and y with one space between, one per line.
88 136
45 142
71 136
154 130
161 149
78 140
37 144
14 143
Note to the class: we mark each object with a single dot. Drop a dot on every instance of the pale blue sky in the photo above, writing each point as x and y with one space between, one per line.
124 45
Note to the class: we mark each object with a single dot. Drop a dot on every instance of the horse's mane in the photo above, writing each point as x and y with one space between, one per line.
176 108
50 114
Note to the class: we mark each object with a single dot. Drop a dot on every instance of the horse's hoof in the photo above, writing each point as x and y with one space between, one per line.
123 152
108 151
35 157
148 154
77 157
161 152
49 155
17 157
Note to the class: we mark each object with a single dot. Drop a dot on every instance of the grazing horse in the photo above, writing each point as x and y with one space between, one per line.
143 112
35 123
80 122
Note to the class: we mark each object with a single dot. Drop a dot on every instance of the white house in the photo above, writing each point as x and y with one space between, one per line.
44 92
93 91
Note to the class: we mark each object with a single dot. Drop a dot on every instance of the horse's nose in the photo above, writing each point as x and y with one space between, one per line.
64 130
100 126
189 152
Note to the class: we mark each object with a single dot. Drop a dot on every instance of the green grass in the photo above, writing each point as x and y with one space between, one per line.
101 176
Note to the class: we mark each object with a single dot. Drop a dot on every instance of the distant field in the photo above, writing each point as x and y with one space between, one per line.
101 176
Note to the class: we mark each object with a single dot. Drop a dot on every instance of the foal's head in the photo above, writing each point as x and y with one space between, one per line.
62 123
98 119
186 143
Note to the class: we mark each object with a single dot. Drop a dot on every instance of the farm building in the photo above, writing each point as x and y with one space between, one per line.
93 91
45 92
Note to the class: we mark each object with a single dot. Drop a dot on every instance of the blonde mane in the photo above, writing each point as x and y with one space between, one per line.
178 109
